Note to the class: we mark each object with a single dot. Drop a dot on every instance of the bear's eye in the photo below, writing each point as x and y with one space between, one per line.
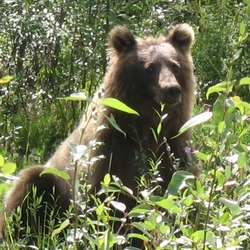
151 68
176 67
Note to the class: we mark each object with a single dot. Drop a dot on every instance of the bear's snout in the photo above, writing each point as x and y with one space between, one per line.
172 94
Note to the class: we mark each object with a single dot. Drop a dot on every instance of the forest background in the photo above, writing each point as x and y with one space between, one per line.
50 49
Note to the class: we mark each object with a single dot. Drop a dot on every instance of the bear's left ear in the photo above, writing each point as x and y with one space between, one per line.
121 39
181 36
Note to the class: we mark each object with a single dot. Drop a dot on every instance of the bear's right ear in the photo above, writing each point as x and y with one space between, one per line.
121 39
182 36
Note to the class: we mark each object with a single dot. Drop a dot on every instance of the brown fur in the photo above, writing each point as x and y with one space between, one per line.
142 73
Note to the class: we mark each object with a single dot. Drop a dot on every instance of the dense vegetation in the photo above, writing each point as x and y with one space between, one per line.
53 48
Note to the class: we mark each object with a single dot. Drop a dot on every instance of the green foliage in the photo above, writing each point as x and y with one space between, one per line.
56 172
5 79
222 42
7 169
56 48
45 238
81 96
116 104
194 121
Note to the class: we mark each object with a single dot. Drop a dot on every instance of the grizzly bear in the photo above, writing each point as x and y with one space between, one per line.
153 76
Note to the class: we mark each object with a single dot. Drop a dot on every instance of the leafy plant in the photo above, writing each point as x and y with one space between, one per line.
7 169
54 48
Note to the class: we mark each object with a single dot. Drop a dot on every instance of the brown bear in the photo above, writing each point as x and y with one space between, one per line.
153 76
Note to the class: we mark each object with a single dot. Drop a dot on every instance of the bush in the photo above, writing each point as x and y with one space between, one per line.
55 48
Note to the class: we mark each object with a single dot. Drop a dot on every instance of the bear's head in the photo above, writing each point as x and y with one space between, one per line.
156 70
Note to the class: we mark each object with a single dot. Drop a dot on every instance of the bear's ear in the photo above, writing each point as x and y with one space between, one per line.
182 36
121 39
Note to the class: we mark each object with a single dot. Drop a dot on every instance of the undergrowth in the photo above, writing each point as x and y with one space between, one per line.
206 206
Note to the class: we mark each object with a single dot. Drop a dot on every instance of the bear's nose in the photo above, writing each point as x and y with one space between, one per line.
172 94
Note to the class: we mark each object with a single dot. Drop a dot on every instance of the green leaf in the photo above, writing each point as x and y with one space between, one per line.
237 54
144 208
81 96
202 156
138 236
198 119
242 28
4 187
127 190
57 172
159 127
8 168
169 205
232 205
1 160
116 104
179 180
61 228
107 179
245 81
143 230
5 79
199 236
214 89
154 134
219 109
148 225
113 122
118 205
242 160
226 217
221 127
224 86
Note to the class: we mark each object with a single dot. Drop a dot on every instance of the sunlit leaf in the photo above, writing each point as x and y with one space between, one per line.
107 179
118 205
242 160
4 187
199 235
219 109
202 156
237 54
245 81
57 172
138 236
81 96
116 104
159 127
1 160
61 228
179 180
221 127
113 122
5 79
242 28
8 168
127 190
144 208
169 205
224 86
142 229
232 205
198 119
226 216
